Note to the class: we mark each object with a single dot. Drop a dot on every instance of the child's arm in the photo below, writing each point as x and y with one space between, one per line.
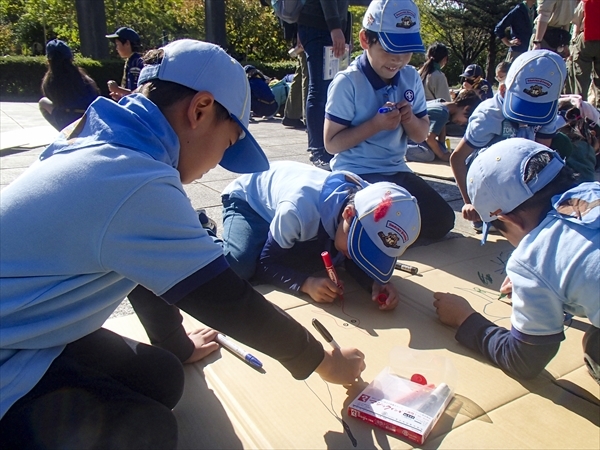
458 163
414 127
433 141
339 137
496 343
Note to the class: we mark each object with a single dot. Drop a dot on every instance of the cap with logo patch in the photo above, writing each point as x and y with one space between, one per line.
533 85
472 71
397 23
387 222
202 66
496 178
126 34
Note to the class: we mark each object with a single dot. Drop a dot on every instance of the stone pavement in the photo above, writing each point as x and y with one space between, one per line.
278 142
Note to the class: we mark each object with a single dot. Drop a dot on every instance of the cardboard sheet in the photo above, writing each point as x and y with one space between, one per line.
228 404
435 169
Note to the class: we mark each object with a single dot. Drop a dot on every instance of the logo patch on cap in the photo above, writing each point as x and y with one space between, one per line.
370 19
535 91
389 240
406 22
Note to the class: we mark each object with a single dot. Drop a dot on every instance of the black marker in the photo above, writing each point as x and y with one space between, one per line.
326 335
406 268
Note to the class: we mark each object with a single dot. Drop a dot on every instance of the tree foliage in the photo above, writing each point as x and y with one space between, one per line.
467 28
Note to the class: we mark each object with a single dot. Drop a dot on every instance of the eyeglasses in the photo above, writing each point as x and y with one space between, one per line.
470 80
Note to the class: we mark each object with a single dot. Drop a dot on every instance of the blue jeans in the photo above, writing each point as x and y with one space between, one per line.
314 40
244 236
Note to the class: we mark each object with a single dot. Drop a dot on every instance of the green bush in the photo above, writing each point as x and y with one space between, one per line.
21 76
274 69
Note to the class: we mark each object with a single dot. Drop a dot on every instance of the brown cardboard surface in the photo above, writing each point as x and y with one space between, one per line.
228 404
434 169
550 418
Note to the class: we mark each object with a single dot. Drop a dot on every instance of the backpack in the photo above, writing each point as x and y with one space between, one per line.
288 10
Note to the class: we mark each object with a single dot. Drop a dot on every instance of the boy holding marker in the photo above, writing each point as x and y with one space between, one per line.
525 190
373 144
66 263
277 223
525 106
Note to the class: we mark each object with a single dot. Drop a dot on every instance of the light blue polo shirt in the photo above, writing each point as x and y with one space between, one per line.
286 196
96 215
354 96
487 125
438 114
554 269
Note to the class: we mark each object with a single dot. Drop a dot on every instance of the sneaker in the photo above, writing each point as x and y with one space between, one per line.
206 222
318 162
293 123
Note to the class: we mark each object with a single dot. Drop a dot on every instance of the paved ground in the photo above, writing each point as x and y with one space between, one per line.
278 142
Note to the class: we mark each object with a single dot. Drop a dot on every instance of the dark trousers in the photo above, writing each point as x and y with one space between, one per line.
437 217
103 392
314 41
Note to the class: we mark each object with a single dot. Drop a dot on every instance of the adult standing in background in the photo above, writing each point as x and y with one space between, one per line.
520 20
551 30
434 81
585 50
321 23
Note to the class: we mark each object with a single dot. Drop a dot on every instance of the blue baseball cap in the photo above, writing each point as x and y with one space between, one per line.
533 85
387 222
397 23
496 178
472 71
202 66
126 34
57 49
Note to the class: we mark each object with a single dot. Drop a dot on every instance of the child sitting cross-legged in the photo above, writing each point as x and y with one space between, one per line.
377 104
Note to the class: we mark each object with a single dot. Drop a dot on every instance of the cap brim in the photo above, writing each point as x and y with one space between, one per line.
401 42
367 256
245 156
112 36
466 75
520 110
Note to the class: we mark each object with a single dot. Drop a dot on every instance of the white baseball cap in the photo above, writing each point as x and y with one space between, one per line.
533 85
398 24
202 66
387 222
496 178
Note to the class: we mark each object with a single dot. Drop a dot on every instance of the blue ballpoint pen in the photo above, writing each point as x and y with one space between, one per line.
386 109
237 351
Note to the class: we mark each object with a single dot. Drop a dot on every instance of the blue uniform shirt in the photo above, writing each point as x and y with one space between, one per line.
355 95
96 215
487 125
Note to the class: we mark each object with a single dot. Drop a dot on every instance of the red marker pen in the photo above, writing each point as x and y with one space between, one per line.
331 271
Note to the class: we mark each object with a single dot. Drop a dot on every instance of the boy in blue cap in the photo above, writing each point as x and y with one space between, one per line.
277 223
473 80
525 190
526 105
104 211
378 103
127 43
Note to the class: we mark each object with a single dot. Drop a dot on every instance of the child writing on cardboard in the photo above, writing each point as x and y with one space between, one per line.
277 223
525 190
67 262
373 144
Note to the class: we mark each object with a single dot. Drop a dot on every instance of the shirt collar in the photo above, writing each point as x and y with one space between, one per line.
376 81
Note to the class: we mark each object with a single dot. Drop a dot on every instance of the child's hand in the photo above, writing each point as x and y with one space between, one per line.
406 112
321 290
469 213
386 289
204 344
452 309
506 287
387 120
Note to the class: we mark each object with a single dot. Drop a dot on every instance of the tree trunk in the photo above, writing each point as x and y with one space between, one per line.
91 19
490 63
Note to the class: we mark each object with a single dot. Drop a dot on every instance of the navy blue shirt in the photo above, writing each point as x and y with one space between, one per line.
521 26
